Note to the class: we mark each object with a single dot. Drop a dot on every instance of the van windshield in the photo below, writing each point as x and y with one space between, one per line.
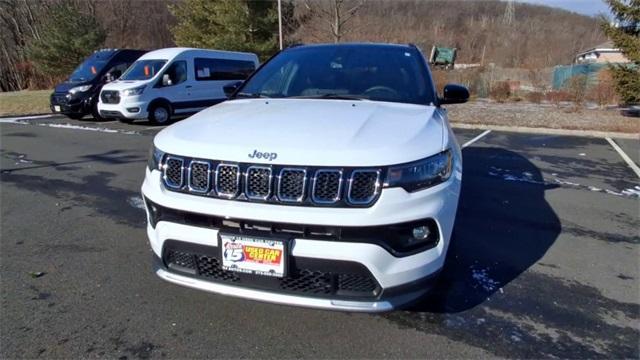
143 70
91 67
352 71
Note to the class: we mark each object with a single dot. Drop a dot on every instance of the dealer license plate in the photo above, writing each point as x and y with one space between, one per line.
56 108
253 255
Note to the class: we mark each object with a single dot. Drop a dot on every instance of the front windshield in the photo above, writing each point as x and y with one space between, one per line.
91 67
143 70
374 72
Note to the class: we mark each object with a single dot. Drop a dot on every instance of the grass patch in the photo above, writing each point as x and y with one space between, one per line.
24 102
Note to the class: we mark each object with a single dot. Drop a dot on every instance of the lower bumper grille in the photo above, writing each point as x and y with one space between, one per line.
306 277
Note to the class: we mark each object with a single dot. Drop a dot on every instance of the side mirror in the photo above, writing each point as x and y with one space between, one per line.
230 88
454 94
166 80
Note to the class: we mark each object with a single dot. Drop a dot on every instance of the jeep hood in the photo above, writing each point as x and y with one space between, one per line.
310 132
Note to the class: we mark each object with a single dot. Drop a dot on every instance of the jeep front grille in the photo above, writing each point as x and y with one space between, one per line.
258 182
291 185
199 176
173 172
363 186
327 186
227 180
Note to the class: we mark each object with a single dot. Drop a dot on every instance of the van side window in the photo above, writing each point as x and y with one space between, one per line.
177 73
222 69
116 71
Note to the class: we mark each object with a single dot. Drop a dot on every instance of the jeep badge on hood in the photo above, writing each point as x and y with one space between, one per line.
263 155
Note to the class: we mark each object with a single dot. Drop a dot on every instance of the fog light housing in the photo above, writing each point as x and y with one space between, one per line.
421 232
133 110
154 212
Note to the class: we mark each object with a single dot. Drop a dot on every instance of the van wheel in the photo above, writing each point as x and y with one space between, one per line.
95 113
160 114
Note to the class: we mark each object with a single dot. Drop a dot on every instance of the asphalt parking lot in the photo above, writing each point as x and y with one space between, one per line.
543 263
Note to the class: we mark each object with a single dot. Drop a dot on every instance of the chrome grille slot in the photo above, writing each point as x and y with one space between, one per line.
364 186
110 97
327 186
227 180
173 170
258 182
292 184
199 176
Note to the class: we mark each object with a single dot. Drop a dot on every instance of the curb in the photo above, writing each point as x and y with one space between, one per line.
522 129
25 115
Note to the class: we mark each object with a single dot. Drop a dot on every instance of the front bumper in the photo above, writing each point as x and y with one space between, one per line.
76 105
400 279
123 110
393 298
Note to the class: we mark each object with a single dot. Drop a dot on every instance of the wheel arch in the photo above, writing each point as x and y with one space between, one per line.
160 101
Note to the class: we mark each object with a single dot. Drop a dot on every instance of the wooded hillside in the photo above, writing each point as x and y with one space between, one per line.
529 36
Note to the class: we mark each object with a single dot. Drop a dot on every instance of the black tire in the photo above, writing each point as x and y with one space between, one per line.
160 113
95 113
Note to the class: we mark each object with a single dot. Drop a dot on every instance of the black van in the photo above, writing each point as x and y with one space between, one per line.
78 95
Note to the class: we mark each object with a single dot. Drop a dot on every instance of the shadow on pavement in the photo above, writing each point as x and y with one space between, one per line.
502 228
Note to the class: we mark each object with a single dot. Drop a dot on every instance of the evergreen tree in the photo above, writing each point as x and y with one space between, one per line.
625 35
67 37
238 25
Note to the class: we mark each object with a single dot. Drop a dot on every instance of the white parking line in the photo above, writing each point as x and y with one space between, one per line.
624 156
475 139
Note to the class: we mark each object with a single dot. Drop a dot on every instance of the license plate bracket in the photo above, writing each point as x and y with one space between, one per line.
257 255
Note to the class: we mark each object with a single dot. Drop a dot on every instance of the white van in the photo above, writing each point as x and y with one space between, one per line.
173 81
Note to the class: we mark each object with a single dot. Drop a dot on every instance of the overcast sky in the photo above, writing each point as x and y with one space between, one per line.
587 7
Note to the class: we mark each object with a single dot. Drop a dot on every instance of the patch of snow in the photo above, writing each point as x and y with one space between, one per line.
564 182
482 279
136 202
87 128
454 321
516 337
632 192
20 119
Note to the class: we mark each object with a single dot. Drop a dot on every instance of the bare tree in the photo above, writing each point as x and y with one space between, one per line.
336 14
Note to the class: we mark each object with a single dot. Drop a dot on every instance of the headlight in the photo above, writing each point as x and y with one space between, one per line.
155 158
422 173
133 92
79 89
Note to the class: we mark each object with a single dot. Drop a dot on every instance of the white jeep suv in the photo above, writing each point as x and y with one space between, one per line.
329 179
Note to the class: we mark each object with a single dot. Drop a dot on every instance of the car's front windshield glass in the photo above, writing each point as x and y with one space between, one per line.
91 67
143 70
374 72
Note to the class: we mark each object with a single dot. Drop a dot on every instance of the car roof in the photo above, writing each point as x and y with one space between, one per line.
353 45
170 53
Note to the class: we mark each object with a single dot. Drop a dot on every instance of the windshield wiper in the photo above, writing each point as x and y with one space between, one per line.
250 95
331 96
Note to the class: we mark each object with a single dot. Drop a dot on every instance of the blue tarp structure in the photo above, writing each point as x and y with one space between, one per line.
562 73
